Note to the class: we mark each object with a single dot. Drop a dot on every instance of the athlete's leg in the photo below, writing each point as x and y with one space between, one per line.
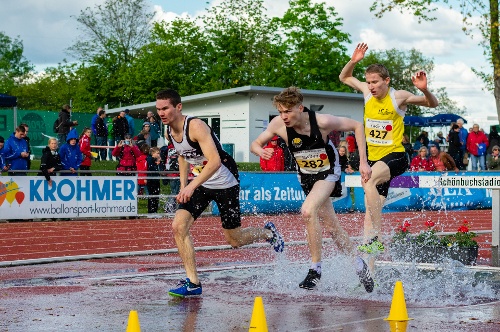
238 237
327 215
180 225
374 201
319 195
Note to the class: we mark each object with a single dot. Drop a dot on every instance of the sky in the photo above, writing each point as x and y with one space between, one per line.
48 27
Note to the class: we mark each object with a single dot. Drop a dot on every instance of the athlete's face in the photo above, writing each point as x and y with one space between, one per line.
290 116
377 85
166 111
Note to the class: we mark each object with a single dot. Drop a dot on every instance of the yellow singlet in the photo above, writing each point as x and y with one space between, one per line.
384 126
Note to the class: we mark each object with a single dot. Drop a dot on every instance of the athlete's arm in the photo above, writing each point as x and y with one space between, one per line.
275 127
420 82
327 123
346 75
183 171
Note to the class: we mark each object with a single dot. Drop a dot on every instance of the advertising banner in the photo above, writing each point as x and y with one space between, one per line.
278 192
31 197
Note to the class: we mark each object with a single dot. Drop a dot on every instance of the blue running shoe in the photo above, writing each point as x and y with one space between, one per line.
277 240
186 288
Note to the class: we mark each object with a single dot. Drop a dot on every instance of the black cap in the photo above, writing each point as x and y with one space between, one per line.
127 111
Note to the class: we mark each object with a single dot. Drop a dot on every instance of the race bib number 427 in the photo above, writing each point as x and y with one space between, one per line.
379 131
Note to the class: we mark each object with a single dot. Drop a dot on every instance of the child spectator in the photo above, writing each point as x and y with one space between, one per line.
277 162
421 162
142 165
142 138
70 154
127 152
153 183
84 144
344 160
51 162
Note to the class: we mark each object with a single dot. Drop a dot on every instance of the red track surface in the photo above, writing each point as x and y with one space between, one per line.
30 240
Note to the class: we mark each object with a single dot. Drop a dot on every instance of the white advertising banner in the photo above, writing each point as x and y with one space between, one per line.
31 197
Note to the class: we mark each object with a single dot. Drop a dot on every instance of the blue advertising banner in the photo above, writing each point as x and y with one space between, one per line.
279 192
405 195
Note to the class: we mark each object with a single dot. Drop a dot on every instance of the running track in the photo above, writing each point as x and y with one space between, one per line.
34 240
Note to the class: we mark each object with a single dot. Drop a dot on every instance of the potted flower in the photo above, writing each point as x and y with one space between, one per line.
428 247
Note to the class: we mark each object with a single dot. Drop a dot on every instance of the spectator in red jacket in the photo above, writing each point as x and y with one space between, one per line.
351 143
127 152
142 165
477 143
84 144
421 162
277 161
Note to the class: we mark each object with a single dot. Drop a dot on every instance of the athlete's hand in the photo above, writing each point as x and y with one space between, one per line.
184 194
366 171
420 80
359 52
267 153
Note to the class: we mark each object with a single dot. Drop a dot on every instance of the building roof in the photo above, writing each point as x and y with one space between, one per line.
142 109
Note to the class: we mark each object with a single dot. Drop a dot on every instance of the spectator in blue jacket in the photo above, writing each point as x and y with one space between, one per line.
154 131
3 166
16 152
93 122
70 154
130 120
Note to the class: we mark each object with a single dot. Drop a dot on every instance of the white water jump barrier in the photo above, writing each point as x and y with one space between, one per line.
481 180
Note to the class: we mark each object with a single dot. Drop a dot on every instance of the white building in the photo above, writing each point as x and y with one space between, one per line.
239 115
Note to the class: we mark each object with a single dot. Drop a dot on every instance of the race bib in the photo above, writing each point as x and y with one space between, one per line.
312 161
379 132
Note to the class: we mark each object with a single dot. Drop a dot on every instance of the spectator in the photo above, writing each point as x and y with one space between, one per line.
3 165
93 122
334 136
85 149
351 143
277 162
493 138
435 143
51 161
154 130
290 164
170 157
420 162
153 183
102 135
142 138
441 161
26 127
494 159
462 135
477 143
16 152
120 126
127 153
142 165
65 123
111 136
149 115
344 160
146 126
419 142
70 154
454 145
407 145
130 122
440 137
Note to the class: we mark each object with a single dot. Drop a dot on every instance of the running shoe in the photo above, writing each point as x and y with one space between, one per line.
277 240
186 288
311 280
372 247
364 275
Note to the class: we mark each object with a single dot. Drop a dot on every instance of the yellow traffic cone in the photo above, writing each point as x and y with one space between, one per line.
133 322
398 306
396 326
258 322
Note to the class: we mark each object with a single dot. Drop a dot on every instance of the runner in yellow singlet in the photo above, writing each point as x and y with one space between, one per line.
384 112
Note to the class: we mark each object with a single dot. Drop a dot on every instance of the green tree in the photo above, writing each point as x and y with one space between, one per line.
243 45
115 31
314 44
488 25
13 64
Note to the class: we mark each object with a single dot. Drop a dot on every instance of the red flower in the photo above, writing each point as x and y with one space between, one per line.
406 224
403 229
463 229
429 223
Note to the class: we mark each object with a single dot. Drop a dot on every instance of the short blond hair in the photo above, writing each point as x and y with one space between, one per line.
288 98
154 149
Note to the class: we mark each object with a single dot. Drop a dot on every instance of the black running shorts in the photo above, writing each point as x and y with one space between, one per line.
227 200
398 163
